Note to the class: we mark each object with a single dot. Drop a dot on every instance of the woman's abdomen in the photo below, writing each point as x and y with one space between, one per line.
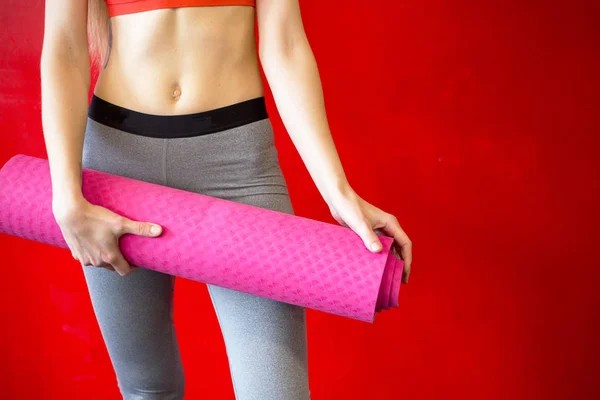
182 60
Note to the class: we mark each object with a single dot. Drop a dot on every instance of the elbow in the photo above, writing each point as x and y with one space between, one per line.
284 46
65 49
270 54
276 56
71 64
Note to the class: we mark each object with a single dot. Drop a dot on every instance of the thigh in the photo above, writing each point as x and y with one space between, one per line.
134 312
265 340
135 315
266 345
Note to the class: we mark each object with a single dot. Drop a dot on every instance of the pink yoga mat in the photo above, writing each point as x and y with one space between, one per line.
267 253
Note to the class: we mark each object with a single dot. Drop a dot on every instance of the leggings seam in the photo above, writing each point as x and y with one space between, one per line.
164 161
226 351
179 380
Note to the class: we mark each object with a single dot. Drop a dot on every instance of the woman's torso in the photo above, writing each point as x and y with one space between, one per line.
181 60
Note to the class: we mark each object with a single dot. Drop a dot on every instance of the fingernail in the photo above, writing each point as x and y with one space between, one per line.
375 246
155 229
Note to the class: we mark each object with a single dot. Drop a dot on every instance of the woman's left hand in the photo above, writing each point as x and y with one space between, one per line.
352 211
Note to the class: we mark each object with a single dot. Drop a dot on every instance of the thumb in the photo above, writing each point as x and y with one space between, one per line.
141 228
369 237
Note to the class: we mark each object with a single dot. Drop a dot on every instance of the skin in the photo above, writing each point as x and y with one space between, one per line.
180 61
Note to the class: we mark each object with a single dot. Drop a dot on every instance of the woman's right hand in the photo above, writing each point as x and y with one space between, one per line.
92 233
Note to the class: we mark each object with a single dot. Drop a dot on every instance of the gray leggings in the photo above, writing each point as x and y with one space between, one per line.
265 340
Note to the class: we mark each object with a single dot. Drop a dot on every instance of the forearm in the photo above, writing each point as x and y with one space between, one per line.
296 86
65 85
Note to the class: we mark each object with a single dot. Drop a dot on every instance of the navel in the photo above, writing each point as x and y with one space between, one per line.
176 92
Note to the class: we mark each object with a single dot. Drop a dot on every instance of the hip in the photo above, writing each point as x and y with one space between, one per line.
228 152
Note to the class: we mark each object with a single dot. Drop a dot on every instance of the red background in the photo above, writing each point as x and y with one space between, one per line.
475 123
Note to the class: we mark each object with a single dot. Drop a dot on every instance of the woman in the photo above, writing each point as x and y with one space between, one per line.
179 102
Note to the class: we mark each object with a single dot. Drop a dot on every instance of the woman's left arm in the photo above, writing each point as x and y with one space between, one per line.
291 70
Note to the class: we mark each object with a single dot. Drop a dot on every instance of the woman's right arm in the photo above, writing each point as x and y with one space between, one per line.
91 231
65 79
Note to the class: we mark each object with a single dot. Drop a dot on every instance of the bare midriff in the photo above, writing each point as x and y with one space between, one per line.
182 60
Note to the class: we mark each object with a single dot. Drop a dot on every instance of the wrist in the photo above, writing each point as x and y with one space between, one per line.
341 190
64 202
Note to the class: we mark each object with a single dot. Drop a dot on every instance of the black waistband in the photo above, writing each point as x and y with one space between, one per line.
177 126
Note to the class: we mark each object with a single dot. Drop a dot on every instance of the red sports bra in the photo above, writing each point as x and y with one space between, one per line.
119 7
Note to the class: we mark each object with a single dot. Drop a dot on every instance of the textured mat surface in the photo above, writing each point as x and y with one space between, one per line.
267 253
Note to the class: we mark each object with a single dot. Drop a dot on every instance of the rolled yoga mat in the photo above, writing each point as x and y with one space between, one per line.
267 253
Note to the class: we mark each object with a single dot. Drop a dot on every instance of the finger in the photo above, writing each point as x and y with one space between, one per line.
103 264
370 239
96 259
378 231
402 244
139 228
118 262
91 262
76 251
86 262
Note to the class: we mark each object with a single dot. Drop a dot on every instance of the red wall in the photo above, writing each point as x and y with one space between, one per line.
475 123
